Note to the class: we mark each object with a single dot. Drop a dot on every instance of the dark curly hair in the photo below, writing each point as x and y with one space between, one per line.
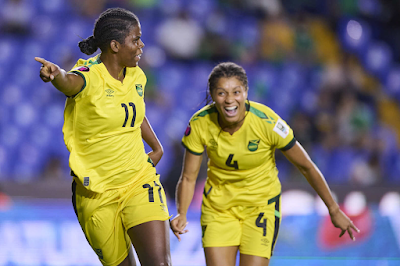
112 24
226 70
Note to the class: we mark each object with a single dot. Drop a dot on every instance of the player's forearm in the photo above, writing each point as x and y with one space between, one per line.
150 137
67 83
318 183
184 194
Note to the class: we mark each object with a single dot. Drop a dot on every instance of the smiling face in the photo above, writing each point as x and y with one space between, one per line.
230 97
131 49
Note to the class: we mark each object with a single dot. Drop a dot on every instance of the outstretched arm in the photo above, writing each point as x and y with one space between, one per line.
68 83
151 139
299 157
185 191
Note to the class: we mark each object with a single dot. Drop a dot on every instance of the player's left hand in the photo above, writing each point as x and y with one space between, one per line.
340 220
178 224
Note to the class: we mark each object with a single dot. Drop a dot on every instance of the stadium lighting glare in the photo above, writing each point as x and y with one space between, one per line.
354 30
390 204
355 203
297 202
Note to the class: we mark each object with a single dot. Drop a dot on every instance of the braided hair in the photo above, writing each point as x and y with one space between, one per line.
226 70
112 24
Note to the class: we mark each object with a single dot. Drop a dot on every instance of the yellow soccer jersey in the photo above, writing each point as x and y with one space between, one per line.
241 167
102 126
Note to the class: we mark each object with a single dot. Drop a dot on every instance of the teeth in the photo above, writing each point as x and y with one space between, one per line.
230 108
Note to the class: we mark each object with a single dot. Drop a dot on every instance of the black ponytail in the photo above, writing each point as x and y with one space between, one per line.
88 46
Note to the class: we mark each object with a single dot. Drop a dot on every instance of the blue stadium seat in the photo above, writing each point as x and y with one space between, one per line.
392 82
171 7
321 157
392 170
7 157
46 29
171 79
378 59
292 76
308 101
200 10
156 115
53 116
248 32
54 7
40 136
199 74
339 165
25 115
354 34
263 79
11 49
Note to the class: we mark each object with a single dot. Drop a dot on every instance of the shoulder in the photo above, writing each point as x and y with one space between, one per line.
90 71
86 66
204 113
137 76
262 112
136 72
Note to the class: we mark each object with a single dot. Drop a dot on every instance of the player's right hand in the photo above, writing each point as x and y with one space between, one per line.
340 220
48 71
178 224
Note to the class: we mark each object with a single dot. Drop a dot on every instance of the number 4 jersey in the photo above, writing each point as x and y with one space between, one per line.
102 126
241 167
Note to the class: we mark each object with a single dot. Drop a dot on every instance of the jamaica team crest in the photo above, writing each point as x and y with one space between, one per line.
139 89
253 145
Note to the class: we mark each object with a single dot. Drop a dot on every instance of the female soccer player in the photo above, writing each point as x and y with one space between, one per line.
241 199
117 195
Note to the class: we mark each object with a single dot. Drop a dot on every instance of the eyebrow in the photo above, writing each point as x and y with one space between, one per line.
225 89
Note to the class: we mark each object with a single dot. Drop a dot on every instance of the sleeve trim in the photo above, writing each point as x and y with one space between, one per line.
289 145
84 82
192 152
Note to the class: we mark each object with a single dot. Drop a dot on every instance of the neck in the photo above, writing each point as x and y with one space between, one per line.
110 62
230 127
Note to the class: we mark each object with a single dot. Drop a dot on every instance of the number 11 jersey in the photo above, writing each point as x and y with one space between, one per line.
102 126
241 166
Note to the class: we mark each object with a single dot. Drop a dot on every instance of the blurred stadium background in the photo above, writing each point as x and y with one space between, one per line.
329 68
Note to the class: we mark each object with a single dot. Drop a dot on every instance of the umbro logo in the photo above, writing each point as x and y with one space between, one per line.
110 93
264 242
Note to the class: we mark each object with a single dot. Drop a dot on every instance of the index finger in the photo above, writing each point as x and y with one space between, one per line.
41 60
355 228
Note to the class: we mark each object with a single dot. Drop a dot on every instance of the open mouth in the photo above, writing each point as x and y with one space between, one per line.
138 56
231 111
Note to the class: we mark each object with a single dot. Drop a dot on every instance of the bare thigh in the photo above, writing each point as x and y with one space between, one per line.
151 242
221 256
250 260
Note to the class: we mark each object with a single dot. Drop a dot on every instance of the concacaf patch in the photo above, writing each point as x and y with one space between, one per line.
281 128
188 130
82 68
